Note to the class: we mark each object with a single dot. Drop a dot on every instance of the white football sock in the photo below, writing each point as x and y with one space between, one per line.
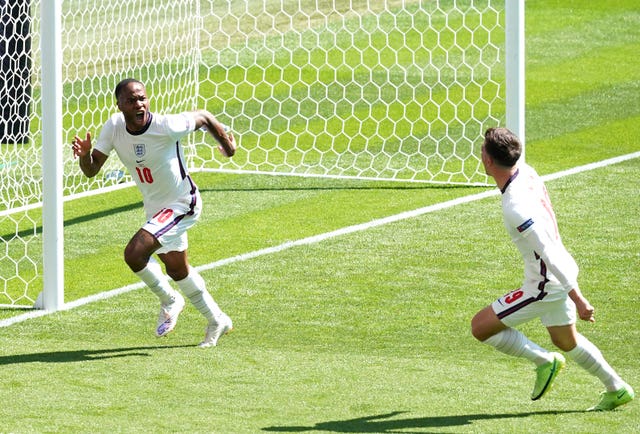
193 286
589 357
156 281
510 341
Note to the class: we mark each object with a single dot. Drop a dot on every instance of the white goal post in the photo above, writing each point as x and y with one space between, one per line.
393 90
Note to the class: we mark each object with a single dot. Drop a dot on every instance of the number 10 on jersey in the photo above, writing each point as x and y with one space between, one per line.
144 173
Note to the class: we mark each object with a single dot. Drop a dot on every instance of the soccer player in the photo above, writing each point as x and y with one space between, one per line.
550 289
148 144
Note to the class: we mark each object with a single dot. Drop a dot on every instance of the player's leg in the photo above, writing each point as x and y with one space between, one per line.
194 288
489 329
139 249
590 358
586 355
137 255
172 235
191 284
165 231
494 325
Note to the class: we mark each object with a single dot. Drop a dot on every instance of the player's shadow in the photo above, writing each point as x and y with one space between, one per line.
82 355
382 423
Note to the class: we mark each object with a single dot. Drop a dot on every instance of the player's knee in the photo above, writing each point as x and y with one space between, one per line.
563 341
176 264
177 273
135 258
479 334
139 250
136 262
563 337
486 324
476 329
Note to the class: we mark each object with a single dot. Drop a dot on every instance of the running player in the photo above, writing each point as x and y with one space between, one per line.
550 289
149 146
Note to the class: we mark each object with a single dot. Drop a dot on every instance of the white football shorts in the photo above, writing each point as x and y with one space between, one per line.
522 305
170 224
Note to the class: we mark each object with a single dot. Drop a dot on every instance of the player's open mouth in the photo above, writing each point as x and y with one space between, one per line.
140 116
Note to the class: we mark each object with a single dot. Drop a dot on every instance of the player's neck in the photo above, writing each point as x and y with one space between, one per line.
502 176
136 128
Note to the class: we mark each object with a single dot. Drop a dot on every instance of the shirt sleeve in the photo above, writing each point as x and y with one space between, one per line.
179 125
104 143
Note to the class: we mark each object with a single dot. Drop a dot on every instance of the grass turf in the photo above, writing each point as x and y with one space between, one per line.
367 332
362 333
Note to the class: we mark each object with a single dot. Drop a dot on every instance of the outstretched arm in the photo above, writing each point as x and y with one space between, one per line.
90 161
227 142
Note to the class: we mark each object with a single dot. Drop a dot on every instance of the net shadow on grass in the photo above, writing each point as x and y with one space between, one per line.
37 230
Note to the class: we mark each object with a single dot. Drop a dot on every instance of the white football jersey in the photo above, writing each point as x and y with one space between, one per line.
531 223
153 156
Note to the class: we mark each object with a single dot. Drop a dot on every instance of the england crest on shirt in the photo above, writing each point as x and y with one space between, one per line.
140 150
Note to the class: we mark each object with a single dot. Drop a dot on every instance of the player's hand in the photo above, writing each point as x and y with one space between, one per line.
230 148
80 147
585 310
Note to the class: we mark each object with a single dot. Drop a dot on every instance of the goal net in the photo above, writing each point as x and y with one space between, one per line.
395 90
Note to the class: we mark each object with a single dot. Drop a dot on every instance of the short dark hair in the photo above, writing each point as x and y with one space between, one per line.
122 85
503 146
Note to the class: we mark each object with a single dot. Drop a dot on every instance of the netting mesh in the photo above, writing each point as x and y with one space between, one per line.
383 90
395 90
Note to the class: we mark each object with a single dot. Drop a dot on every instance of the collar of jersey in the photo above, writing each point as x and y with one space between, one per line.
511 178
143 130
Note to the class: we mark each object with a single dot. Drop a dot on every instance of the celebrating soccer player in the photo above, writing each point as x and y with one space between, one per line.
550 289
148 144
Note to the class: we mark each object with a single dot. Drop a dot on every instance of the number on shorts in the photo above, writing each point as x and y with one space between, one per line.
163 215
513 296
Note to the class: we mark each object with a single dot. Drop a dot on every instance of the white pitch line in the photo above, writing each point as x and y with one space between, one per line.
321 237
591 166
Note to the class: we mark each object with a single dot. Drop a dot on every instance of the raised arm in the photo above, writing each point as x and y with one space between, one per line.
90 161
227 142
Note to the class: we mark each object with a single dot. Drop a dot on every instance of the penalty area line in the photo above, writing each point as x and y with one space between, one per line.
319 238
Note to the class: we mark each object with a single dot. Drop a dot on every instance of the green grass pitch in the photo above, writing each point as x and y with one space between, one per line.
366 332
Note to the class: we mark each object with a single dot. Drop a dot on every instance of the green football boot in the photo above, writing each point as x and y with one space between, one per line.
611 400
546 374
